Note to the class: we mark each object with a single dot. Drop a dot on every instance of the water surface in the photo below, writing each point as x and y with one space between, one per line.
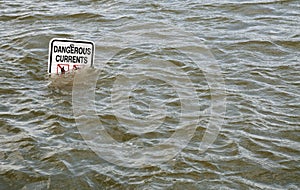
255 43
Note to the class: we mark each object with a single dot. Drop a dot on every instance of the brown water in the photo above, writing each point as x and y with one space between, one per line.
45 144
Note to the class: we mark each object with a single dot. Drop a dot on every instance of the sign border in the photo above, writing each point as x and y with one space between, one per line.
68 40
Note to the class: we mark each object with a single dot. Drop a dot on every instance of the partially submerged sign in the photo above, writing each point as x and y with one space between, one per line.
67 55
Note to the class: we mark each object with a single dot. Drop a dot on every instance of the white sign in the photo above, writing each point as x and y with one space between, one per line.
68 55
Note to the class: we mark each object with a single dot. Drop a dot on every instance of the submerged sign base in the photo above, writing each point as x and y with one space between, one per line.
66 55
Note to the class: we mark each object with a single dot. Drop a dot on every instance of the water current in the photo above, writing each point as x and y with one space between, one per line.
183 95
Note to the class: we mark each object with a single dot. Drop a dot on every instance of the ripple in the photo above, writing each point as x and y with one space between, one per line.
256 43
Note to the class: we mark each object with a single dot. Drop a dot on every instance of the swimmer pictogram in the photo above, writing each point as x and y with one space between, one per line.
76 67
62 68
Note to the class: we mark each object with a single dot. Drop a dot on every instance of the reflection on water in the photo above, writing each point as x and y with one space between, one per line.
256 44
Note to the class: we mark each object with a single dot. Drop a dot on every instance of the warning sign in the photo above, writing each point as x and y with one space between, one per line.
69 55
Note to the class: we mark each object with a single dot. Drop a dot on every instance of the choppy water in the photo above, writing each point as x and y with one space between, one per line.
255 43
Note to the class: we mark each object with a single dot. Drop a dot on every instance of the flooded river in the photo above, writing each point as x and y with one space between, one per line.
183 95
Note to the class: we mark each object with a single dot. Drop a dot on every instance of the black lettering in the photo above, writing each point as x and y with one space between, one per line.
59 49
65 58
76 50
84 51
88 51
75 59
57 58
72 48
64 49
68 49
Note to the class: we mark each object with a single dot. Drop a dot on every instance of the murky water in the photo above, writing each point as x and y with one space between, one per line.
140 53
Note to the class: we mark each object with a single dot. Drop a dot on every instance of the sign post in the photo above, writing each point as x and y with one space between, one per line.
67 55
